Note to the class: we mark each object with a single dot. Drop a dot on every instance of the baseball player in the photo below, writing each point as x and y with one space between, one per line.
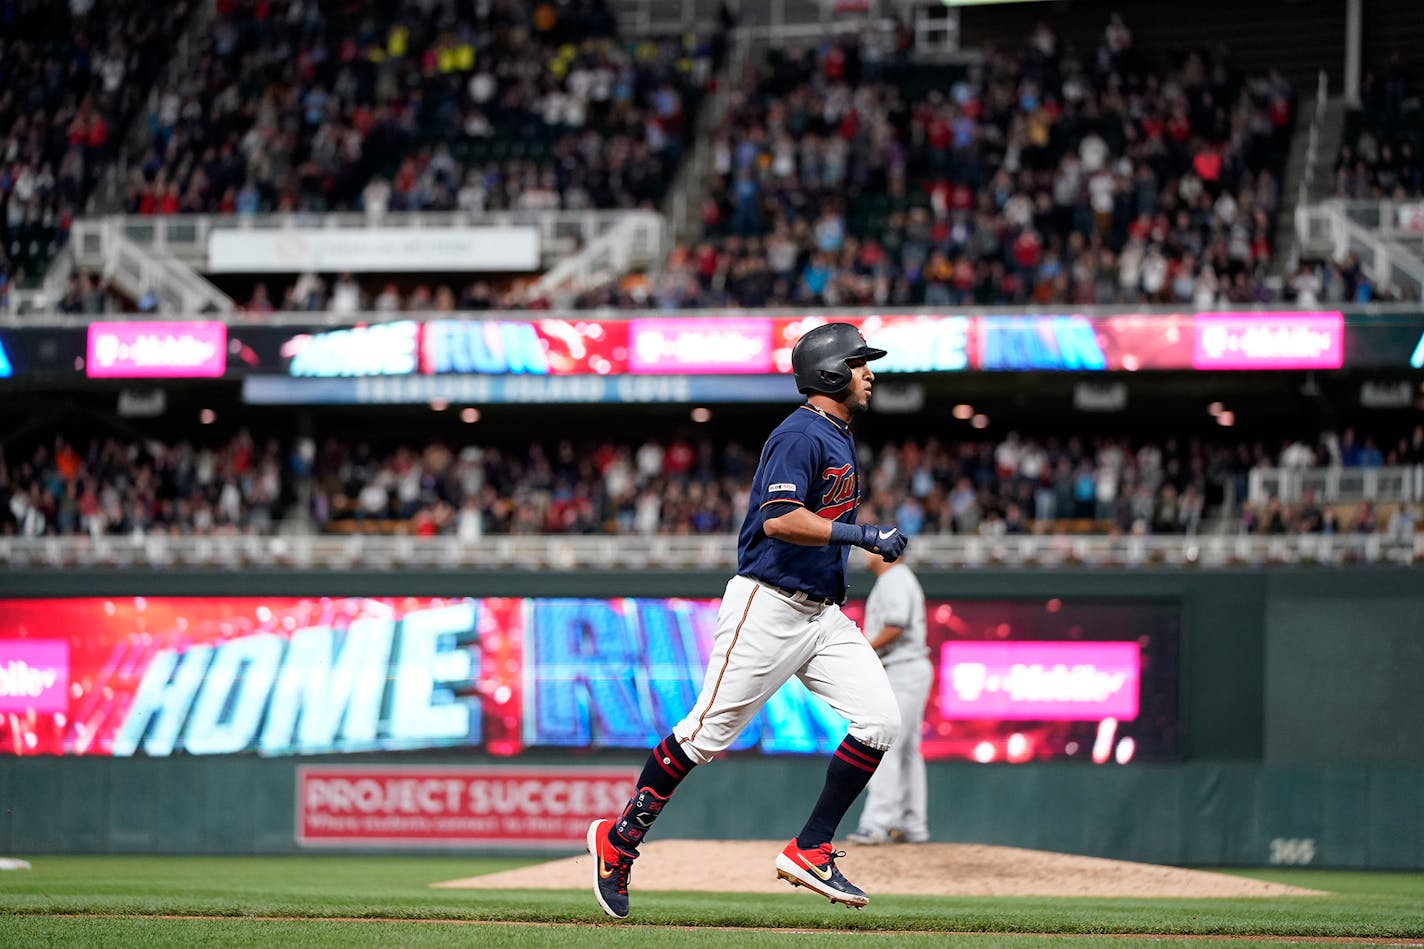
895 625
780 616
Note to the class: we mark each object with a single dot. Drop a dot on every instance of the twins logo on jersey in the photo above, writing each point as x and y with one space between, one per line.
841 495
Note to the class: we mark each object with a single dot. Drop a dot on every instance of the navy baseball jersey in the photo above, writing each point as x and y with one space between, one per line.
808 460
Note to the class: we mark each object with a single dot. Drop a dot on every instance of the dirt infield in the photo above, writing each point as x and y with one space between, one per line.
747 866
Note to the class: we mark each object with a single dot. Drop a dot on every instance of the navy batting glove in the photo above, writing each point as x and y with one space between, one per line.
888 542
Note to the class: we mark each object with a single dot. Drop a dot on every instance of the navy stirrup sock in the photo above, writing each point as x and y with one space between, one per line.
846 776
666 766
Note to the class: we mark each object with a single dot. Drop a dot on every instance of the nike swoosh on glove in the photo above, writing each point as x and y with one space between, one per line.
888 542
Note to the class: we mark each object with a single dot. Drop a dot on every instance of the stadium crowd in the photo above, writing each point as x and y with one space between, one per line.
844 176
1382 155
842 173
1040 177
681 486
386 106
72 77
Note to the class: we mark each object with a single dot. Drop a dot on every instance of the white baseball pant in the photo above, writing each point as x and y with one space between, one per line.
764 638
896 798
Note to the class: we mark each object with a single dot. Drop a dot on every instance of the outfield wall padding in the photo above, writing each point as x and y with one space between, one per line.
1192 814
1302 716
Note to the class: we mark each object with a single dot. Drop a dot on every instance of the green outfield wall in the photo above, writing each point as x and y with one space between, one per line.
1194 813
1302 713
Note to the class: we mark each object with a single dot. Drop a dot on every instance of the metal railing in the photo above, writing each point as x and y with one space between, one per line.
1393 220
1403 313
773 19
1288 252
1312 147
185 236
1402 483
639 240
1331 225
178 288
680 552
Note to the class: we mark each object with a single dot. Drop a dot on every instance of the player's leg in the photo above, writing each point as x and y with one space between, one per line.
846 673
884 796
912 688
761 640
614 843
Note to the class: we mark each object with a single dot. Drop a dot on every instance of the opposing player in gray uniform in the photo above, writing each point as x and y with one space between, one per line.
895 801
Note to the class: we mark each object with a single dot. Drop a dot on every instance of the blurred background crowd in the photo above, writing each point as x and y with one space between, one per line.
682 485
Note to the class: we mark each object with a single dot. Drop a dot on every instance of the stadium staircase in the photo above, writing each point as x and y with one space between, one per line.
638 241
1308 179
144 273
753 29
688 184
1387 237
108 194
916 77
1391 254
758 27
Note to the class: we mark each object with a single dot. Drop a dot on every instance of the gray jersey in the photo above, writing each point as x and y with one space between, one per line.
897 600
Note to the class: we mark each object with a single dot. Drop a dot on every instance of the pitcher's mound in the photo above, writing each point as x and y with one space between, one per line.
748 866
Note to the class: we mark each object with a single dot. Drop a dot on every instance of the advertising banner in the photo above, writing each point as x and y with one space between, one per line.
433 806
1269 341
913 343
156 350
727 352
1051 682
34 675
1015 679
699 345
373 249
751 346
1126 342
466 347
542 347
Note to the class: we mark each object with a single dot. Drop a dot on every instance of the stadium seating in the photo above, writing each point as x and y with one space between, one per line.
400 107
72 78
1035 178
1382 150
844 173
1030 485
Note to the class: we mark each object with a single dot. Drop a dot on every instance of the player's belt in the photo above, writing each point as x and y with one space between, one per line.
800 596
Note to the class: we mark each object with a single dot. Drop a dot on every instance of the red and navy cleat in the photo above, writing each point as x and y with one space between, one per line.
611 869
817 870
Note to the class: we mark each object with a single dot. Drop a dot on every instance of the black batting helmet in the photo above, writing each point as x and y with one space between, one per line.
819 357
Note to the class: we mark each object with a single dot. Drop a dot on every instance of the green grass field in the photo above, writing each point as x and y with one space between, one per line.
387 901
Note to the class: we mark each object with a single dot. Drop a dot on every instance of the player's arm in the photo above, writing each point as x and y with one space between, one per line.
790 472
886 636
799 526
791 464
